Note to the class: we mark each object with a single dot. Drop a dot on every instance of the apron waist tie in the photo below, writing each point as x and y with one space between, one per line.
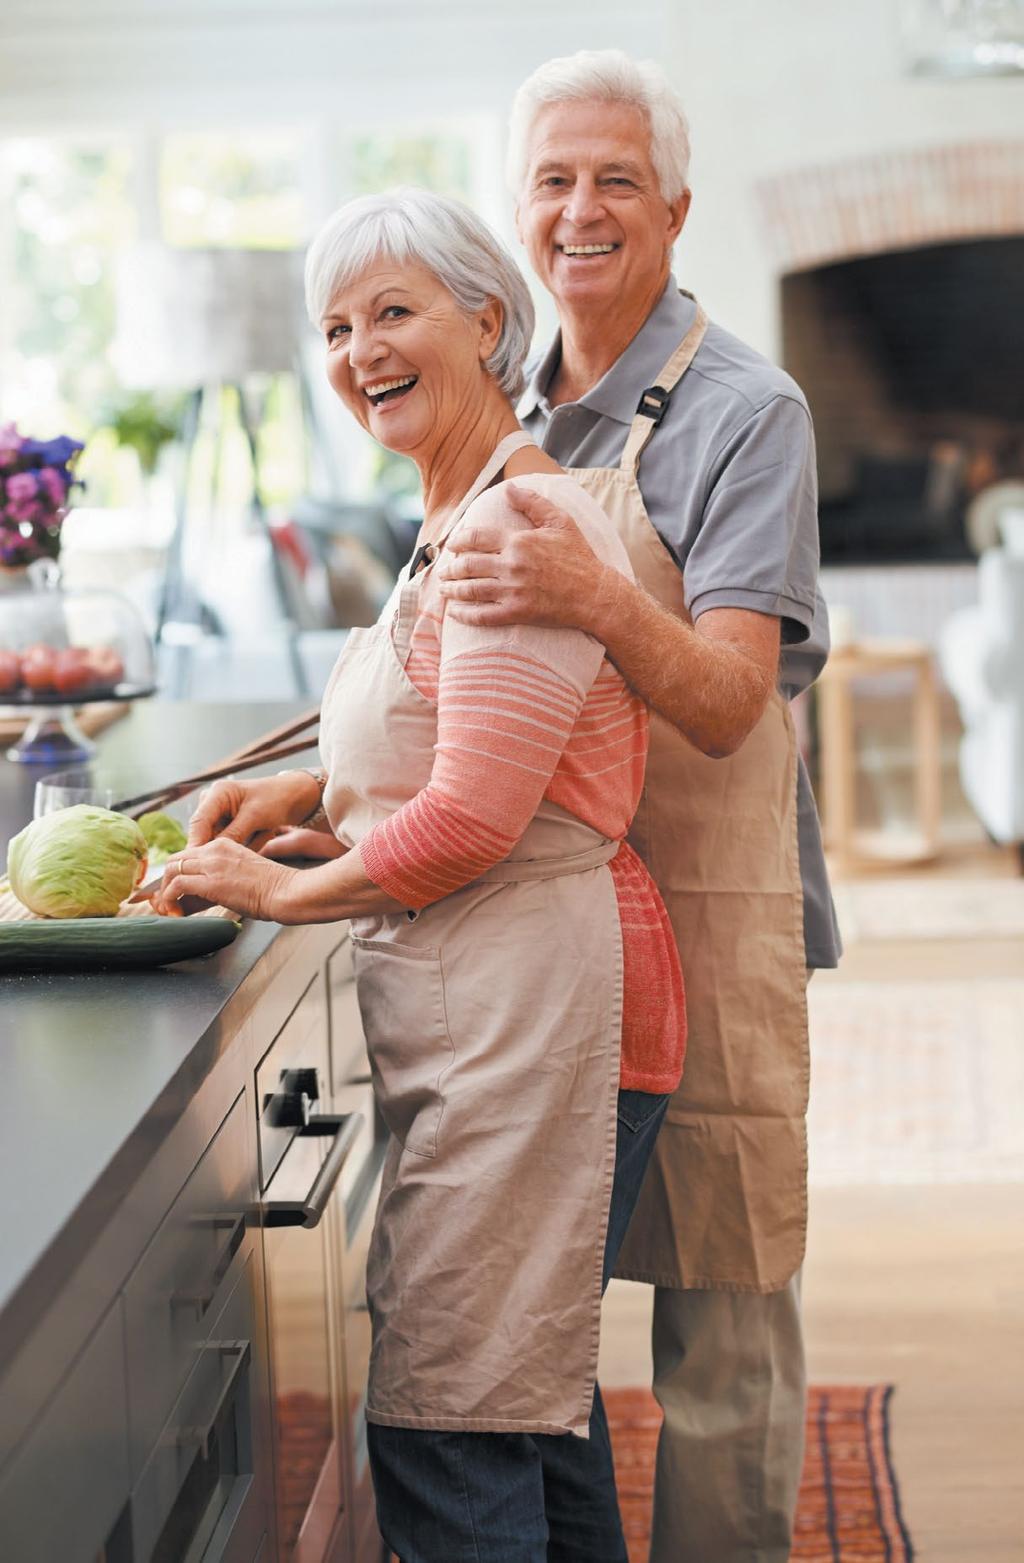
515 870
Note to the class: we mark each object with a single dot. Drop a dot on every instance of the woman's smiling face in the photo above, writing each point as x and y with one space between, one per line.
403 357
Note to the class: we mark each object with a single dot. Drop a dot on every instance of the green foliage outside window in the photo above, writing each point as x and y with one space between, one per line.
71 214
238 189
435 162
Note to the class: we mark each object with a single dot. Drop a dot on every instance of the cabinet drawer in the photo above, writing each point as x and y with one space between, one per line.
62 1494
203 1491
178 1286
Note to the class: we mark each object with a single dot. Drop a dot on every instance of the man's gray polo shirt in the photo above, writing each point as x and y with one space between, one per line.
728 480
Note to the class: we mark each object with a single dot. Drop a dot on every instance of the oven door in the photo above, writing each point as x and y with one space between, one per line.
303 1152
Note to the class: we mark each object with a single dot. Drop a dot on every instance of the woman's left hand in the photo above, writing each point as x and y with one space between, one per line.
224 873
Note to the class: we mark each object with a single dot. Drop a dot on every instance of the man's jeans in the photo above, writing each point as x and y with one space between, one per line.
516 1497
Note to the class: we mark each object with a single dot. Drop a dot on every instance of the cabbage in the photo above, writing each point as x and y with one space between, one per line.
163 836
77 862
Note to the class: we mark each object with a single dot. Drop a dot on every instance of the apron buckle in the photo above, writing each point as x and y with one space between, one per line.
653 403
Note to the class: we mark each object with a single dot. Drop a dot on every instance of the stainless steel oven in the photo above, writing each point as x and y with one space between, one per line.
319 1160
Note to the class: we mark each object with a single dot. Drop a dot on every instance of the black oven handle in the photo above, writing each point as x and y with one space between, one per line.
345 1128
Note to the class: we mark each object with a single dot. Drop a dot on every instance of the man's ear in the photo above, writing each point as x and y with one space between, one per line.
678 212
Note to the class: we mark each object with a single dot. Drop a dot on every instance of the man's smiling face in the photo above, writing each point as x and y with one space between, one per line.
591 213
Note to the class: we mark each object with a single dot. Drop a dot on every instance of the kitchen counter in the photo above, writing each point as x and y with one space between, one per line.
98 1068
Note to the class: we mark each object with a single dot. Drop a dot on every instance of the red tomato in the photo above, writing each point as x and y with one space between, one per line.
37 668
107 667
10 671
72 671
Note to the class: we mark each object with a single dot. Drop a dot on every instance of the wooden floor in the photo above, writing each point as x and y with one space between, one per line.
918 1285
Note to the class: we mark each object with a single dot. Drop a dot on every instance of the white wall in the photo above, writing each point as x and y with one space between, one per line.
89 60
769 87
774 87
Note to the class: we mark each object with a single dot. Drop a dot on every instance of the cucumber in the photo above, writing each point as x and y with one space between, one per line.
87 943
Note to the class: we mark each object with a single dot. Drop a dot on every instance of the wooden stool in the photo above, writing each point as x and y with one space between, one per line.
838 752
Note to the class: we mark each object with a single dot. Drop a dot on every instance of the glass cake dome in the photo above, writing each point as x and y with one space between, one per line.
60 649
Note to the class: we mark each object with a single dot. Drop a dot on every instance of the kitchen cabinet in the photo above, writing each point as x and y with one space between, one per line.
192 1158
61 1496
216 1411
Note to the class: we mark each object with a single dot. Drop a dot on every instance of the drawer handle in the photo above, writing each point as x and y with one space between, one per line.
345 1127
199 1302
240 1350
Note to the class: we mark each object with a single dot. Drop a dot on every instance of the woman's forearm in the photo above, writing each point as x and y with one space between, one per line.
332 892
711 682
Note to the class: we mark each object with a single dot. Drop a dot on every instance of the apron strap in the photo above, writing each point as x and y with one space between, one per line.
517 871
491 467
428 552
654 401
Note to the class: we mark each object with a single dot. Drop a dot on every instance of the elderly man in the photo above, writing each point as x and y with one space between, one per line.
703 454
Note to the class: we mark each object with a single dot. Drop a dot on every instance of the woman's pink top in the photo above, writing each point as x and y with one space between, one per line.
524 715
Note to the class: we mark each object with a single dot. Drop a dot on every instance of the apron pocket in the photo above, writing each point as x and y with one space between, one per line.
401 1001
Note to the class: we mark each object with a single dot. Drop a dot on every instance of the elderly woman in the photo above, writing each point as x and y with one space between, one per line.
518 981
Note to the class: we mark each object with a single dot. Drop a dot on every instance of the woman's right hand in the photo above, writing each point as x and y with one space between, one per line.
252 811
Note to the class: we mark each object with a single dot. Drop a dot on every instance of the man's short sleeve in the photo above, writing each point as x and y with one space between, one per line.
757 544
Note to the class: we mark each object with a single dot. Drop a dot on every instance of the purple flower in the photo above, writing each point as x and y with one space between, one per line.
54 484
10 444
57 452
35 480
22 488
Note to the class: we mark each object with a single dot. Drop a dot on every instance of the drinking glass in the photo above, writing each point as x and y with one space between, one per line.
86 784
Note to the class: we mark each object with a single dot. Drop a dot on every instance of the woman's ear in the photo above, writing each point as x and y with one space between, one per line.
491 319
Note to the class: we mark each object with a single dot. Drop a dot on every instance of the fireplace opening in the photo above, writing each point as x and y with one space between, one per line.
913 365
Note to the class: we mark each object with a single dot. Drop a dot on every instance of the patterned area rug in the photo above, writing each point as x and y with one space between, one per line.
849 1508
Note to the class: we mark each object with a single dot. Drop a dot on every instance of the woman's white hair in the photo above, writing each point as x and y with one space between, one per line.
605 76
409 225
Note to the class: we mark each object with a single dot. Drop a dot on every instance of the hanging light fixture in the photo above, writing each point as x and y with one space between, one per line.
962 38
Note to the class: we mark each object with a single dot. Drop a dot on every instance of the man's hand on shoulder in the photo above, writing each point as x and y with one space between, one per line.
545 574
711 681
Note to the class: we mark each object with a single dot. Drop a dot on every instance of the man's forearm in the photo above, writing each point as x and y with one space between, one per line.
710 689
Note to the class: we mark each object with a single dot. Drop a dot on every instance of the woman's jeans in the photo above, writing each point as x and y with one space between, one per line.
517 1497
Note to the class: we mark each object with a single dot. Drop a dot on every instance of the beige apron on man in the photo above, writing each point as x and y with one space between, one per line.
493 1020
724 1202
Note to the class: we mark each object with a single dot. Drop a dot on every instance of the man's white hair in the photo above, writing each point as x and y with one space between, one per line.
407 225
605 76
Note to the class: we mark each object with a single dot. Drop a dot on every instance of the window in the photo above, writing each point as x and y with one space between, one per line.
240 189
70 211
70 207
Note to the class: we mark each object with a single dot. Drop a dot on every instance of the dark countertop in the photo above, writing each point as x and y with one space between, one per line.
95 1066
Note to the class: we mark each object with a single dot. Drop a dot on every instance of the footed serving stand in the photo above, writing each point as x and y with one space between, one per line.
60 650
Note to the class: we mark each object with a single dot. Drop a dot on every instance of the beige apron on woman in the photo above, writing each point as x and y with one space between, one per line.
724 1203
493 1020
